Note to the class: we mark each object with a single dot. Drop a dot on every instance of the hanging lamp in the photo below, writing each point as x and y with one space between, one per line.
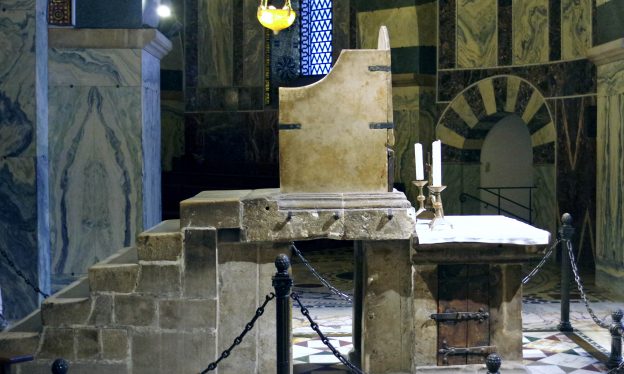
276 19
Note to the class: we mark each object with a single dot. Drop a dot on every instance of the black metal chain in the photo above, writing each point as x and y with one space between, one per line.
539 266
324 339
579 284
239 339
21 275
320 277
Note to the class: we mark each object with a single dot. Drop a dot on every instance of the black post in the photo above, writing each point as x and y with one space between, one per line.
282 283
60 366
616 329
565 234
493 363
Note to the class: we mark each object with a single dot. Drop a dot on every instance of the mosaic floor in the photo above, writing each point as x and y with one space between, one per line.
545 349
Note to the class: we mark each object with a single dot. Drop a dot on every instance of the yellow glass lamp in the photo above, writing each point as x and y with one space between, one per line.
276 19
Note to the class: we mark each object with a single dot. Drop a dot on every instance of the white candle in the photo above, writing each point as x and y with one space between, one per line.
418 157
437 163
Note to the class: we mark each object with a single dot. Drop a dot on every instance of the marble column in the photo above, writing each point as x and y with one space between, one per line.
24 233
104 142
609 58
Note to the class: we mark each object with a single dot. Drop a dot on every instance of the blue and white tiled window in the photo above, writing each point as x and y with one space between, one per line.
316 37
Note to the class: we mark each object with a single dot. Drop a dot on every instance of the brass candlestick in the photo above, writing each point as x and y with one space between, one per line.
438 221
422 212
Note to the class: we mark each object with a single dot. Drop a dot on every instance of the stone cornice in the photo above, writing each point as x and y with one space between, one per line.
608 52
149 40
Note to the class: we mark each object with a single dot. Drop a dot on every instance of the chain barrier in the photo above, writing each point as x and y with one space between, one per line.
21 275
539 266
239 339
617 370
577 279
324 339
325 283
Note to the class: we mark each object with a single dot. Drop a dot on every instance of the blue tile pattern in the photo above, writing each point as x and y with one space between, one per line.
316 37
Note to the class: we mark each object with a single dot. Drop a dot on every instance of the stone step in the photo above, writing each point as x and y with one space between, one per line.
59 312
18 343
121 278
162 242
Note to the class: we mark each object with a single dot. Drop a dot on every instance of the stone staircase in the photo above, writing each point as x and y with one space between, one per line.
131 298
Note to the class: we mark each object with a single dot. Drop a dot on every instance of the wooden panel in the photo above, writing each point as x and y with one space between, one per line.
453 292
478 333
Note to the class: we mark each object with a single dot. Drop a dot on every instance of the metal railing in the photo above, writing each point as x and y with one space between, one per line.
510 203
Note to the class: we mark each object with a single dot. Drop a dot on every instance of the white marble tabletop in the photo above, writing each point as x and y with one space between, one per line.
481 229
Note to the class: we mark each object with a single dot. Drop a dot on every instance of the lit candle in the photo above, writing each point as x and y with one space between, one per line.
418 157
437 163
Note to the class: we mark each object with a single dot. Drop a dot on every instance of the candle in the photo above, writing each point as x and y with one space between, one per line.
418 157
437 163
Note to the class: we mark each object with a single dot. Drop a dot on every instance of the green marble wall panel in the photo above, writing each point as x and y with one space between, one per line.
95 173
476 33
608 22
414 118
544 202
253 46
611 79
461 178
576 28
419 20
341 36
610 179
172 132
215 43
530 31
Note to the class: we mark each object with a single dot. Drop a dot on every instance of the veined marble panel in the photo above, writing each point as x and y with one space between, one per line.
530 31
214 43
150 73
576 28
601 2
611 79
419 20
17 84
19 5
95 67
18 234
253 46
544 202
152 201
172 132
476 33
95 173
610 178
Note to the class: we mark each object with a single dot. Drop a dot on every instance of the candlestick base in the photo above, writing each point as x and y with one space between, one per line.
423 212
438 222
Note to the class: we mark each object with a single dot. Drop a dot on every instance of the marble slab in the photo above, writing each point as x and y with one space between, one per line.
576 28
417 19
476 33
214 43
530 31
96 169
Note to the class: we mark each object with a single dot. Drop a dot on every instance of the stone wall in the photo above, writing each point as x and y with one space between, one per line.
24 224
542 44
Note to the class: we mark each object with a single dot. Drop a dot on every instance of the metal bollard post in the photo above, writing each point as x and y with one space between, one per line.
282 283
565 233
493 363
616 329
60 366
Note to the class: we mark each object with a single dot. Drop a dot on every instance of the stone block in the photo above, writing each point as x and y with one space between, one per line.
135 310
57 342
425 302
172 352
87 343
161 243
114 344
506 309
182 314
200 262
65 312
102 310
161 278
218 209
120 278
18 343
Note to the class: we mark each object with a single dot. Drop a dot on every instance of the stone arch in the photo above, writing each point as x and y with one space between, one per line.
466 121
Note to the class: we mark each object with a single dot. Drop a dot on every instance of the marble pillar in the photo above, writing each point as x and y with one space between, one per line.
24 230
610 165
104 142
